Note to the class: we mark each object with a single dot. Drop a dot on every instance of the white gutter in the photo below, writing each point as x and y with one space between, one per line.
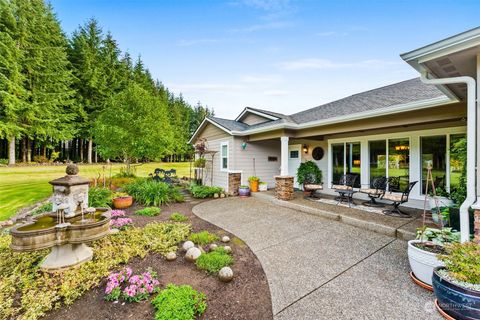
471 147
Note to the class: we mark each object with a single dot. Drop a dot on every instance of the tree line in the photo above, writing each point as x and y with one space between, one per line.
69 97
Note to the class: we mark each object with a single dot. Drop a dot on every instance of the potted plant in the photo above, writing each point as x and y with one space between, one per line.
253 181
422 252
244 191
122 200
309 173
457 285
200 163
262 186
440 199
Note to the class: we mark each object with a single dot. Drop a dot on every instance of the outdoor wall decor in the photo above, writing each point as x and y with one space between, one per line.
318 153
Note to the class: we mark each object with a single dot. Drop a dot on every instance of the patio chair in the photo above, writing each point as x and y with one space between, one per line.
375 191
346 182
309 185
157 174
397 199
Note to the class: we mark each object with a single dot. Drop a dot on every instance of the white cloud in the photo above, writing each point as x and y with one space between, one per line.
265 79
193 42
316 63
276 93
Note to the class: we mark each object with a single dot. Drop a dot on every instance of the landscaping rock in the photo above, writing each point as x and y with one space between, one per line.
212 247
193 254
222 195
187 245
216 195
171 256
114 230
225 274
225 239
227 249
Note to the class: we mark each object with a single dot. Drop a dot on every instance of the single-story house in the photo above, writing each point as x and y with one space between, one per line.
389 131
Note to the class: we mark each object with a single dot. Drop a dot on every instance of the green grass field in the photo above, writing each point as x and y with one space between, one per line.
24 186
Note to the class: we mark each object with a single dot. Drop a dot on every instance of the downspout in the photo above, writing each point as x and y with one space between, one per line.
471 147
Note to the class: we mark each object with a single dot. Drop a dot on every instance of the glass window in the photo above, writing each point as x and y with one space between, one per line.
456 163
378 156
434 154
337 161
224 156
399 162
294 154
353 161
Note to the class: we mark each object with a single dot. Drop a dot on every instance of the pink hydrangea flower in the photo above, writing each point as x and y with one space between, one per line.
117 213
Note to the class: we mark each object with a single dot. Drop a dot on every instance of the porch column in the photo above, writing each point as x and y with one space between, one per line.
284 156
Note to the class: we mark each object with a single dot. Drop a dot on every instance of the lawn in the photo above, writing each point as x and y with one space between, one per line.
23 186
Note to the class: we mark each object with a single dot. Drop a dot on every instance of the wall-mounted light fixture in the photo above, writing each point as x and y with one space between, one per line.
244 145
305 148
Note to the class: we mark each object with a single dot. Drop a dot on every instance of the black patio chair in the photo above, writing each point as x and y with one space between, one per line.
375 191
345 182
156 177
311 186
397 199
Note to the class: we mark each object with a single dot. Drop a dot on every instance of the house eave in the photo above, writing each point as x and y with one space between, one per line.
264 115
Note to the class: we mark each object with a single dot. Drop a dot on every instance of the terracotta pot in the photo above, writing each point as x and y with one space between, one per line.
254 186
122 202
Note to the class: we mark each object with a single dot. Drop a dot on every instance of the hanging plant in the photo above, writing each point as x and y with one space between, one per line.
201 146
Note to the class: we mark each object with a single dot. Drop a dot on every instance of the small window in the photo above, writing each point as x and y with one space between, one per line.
272 159
224 156
294 154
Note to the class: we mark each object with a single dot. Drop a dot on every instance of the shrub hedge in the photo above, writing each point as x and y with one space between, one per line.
151 193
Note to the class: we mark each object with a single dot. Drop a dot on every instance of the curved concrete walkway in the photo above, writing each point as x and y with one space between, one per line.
323 269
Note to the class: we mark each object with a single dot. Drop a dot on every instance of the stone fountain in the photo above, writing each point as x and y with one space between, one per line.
67 228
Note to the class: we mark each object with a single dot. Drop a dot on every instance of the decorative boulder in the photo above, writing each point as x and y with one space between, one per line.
225 274
227 249
171 256
114 230
187 245
212 247
193 254
216 195
222 195
225 239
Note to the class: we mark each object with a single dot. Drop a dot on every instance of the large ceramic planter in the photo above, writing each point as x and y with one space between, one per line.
262 187
254 186
244 192
458 302
422 262
122 202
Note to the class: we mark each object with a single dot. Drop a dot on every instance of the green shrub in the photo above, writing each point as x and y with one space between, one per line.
202 192
28 293
178 217
151 193
40 159
46 207
463 261
202 238
179 303
99 197
215 260
124 173
3 162
54 156
309 172
200 163
150 211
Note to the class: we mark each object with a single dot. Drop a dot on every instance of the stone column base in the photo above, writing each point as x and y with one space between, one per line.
234 181
476 227
66 256
284 187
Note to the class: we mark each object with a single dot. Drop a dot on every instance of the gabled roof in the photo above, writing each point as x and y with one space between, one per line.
399 97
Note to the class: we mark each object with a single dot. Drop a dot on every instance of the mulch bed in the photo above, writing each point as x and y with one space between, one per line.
246 297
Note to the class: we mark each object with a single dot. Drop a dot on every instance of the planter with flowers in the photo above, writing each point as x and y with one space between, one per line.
244 191
253 181
457 285
262 186
121 200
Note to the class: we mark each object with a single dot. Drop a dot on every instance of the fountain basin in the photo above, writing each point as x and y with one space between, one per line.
44 232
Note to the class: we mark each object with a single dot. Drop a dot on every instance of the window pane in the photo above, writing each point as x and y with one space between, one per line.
378 155
353 161
399 162
456 165
434 153
224 150
294 154
224 163
337 161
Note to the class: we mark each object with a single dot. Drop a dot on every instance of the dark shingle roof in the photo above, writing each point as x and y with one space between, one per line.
399 93
388 96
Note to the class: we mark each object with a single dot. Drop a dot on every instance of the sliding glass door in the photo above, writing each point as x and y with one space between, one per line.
378 159
434 155
346 159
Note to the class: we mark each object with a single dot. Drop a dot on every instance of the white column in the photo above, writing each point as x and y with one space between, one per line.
284 156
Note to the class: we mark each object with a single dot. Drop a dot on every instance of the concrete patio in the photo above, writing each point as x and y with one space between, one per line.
321 268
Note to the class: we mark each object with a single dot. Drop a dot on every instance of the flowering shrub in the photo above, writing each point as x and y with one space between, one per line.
117 213
133 288
121 223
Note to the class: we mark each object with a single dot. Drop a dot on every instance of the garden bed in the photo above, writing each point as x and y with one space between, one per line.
246 297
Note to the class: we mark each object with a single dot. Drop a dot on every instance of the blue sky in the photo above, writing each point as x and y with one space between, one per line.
280 55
